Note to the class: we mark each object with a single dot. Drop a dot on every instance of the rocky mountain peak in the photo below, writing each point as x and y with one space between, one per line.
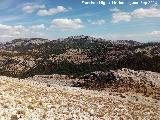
127 42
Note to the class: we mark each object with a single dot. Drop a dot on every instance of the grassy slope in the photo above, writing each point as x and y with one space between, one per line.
28 101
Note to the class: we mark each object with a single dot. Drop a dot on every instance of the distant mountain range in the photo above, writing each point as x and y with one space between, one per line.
76 40
75 55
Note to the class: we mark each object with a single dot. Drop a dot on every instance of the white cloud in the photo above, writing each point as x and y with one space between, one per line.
154 33
8 32
68 24
4 27
31 8
41 26
114 9
151 12
138 13
10 18
53 11
99 22
121 16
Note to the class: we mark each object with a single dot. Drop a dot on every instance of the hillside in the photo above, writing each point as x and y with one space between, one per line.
23 99
79 77
75 55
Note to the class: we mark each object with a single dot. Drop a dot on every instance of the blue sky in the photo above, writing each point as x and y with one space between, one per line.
54 19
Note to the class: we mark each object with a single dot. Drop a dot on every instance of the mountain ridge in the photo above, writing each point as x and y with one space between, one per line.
76 55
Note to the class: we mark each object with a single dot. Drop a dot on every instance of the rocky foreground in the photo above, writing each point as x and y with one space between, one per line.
30 100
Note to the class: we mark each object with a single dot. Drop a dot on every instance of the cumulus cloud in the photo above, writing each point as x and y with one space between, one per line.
154 33
30 8
121 16
8 32
118 16
4 27
68 24
141 12
41 26
99 22
53 11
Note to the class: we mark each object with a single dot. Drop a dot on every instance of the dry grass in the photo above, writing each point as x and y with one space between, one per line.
28 101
